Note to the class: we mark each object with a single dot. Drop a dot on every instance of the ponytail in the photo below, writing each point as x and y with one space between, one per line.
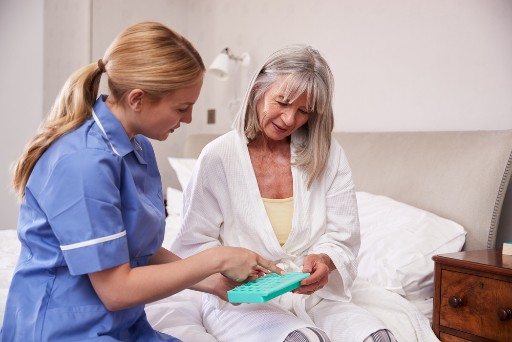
71 109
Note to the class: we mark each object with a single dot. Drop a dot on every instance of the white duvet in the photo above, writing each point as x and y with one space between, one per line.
9 251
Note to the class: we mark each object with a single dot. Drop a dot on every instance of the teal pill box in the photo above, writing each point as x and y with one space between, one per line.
266 287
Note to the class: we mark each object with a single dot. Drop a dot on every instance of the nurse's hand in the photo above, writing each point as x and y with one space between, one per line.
216 284
319 265
219 285
238 264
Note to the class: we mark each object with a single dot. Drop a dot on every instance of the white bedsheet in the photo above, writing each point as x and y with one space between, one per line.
402 317
9 251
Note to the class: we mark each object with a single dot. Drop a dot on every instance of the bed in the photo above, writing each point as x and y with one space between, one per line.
419 194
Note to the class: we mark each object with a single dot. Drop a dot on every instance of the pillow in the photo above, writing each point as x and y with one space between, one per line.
398 242
183 168
173 219
174 201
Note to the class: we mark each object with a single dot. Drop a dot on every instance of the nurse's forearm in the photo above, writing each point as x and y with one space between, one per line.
163 256
215 284
122 287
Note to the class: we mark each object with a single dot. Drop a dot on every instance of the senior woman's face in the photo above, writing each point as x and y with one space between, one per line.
278 118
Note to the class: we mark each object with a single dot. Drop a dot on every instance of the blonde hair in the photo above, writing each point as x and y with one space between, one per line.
306 71
147 56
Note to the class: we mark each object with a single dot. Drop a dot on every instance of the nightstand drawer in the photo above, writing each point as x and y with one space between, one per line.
473 304
450 338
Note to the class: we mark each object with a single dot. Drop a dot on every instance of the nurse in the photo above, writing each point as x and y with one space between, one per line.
92 219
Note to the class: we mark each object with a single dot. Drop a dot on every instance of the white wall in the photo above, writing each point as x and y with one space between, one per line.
21 85
398 64
67 43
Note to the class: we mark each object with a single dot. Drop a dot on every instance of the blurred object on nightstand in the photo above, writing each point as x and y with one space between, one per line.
507 248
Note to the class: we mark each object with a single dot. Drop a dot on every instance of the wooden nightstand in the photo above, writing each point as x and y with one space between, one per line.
473 296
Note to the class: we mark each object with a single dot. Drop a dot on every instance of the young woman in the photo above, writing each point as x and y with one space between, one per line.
92 216
278 184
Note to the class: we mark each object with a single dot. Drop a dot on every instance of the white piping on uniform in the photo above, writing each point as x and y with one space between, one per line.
105 238
93 241
104 133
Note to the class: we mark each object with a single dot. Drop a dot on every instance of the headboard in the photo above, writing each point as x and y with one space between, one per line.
462 176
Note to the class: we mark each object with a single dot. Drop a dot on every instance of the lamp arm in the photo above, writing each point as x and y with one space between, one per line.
243 58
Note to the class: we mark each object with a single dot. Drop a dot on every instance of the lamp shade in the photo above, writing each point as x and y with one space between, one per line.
220 66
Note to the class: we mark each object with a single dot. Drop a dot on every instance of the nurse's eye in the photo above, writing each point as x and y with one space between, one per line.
183 110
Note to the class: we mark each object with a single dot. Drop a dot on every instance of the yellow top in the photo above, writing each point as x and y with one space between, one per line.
280 213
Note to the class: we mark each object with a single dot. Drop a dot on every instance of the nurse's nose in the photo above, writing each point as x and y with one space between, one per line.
187 118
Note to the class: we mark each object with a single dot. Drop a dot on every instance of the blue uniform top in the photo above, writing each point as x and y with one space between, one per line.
93 201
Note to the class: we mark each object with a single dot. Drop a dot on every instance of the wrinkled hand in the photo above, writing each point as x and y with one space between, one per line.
317 265
241 264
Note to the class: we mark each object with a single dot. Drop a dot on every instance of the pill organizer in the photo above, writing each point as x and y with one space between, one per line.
265 288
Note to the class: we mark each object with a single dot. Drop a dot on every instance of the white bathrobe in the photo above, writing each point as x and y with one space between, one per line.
223 206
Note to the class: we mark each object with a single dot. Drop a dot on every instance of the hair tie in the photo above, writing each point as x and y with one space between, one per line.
101 66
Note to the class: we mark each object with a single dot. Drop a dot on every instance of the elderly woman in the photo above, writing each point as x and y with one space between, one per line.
279 185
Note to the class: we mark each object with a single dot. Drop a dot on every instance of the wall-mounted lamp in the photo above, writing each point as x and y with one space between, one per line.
220 65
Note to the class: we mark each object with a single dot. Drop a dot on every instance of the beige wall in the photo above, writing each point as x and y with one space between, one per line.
399 65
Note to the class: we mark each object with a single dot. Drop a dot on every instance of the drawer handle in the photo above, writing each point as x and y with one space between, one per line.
455 302
505 314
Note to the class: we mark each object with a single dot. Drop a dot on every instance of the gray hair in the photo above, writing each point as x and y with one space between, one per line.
306 71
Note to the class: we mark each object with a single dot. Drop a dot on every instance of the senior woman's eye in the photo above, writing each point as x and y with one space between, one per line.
282 103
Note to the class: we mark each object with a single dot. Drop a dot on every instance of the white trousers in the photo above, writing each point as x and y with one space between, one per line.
273 321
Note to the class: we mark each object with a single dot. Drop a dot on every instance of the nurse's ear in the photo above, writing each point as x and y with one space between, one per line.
135 99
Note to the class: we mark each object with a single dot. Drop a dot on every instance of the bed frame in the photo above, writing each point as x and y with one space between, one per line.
460 175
